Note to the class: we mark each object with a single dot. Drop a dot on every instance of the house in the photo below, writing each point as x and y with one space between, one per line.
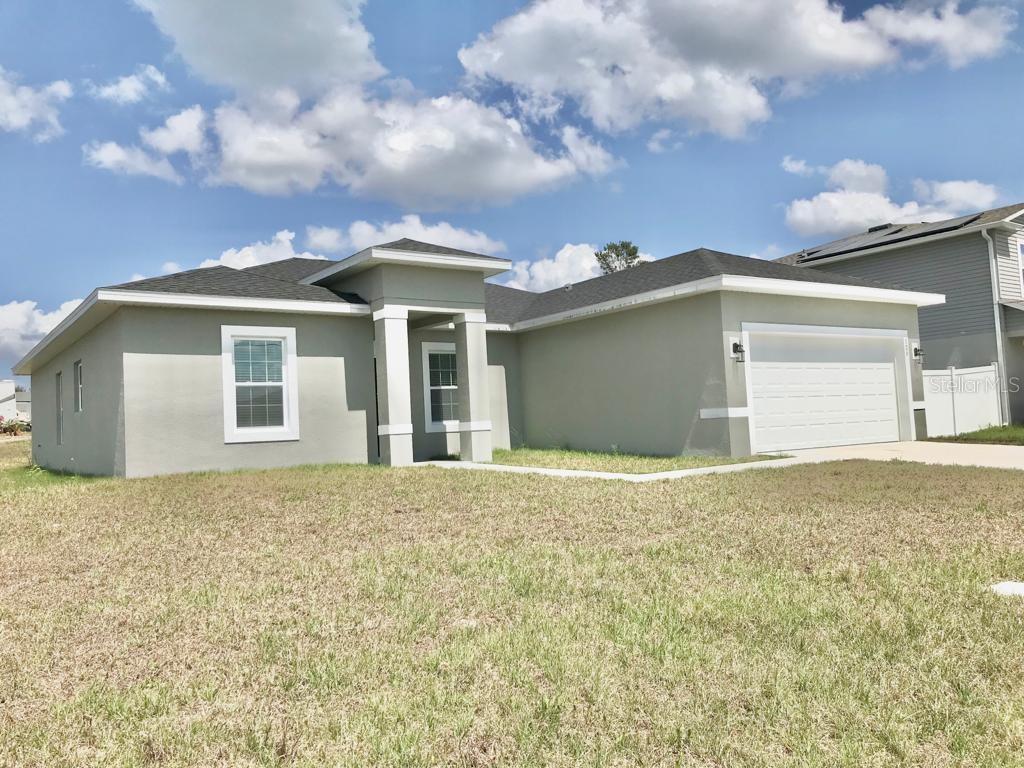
23 405
8 404
976 261
404 352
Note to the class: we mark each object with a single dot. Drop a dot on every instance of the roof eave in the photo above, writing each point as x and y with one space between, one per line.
370 257
739 284
111 298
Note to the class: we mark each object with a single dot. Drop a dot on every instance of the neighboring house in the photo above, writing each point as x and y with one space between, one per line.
976 261
8 405
403 352
23 405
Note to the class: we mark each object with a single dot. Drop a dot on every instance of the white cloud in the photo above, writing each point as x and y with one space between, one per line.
129 161
796 167
326 239
573 263
363 234
255 45
170 267
858 198
959 195
183 132
260 252
133 88
32 110
23 324
660 141
858 176
430 153
710 64
960 38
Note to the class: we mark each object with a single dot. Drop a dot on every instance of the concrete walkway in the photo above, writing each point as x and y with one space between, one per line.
997 456
955 454
675 474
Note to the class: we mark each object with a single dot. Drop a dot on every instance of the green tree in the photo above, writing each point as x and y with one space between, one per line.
618 256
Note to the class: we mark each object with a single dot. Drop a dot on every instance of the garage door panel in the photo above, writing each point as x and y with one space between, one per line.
810 405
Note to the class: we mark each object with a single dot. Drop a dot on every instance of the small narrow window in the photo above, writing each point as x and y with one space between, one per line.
60 408
1020 266
440 387
79 391
260 384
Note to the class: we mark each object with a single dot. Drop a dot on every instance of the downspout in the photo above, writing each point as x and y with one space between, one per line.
1004 396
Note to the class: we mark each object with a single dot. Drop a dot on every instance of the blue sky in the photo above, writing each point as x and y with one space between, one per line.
531 130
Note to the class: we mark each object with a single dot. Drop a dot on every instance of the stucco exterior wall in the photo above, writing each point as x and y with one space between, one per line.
505 385
632 381
94 439
503 389
401 284
173 384
740 308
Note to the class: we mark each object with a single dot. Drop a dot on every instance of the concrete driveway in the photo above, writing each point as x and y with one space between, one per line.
999 456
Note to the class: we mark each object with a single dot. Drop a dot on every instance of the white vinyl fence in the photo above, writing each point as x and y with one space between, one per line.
961 399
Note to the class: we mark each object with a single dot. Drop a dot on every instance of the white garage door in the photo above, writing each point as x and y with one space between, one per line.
812 405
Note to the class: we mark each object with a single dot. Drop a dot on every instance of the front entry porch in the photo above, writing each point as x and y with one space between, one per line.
455 391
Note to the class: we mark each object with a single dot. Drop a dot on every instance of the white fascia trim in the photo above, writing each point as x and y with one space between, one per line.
290 430
1005 224
21 367
411 258
401 312
829 291
298 306
733 412
741 284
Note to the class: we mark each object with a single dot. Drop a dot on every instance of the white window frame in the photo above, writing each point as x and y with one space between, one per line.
430 424
1020 265
229 334
59 387
79 387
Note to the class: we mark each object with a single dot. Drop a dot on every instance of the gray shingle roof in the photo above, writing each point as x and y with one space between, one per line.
224 281
513 306
416 246
504 304
898 233
294 269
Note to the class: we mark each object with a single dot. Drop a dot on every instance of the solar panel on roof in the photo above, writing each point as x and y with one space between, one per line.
889 236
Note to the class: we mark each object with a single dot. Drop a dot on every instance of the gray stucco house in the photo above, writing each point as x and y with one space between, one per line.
404 352
976 261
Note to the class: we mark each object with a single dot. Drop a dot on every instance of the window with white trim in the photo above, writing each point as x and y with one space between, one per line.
440 387
1020 266
59 386
260 384
79 387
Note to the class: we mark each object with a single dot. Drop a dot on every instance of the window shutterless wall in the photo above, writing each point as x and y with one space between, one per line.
174 391
93 418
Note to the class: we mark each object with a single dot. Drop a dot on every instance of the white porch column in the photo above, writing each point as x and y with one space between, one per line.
474 399
394 403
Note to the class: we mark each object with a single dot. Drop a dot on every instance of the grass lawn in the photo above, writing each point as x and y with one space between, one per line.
609 462
1012 434
821 615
